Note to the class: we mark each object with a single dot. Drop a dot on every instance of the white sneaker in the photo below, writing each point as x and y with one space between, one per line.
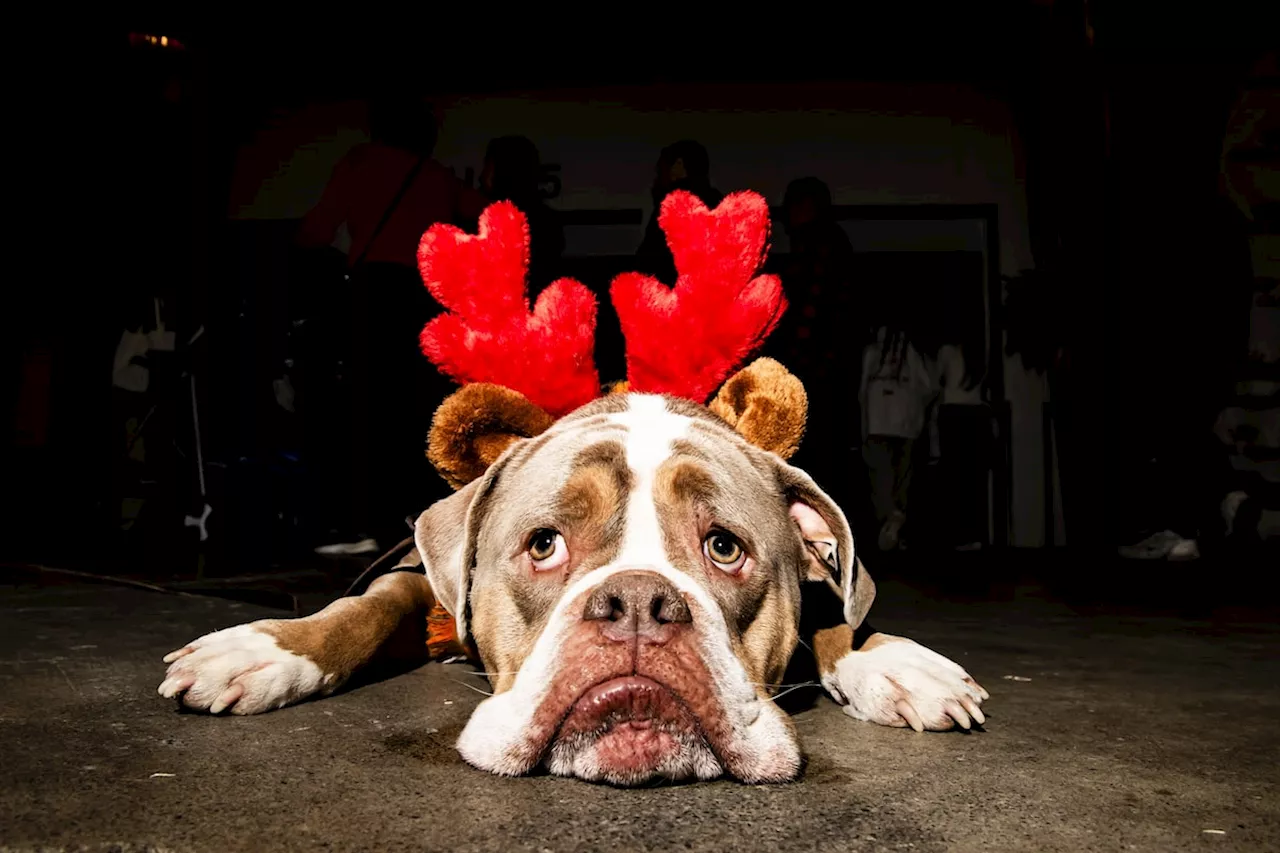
1155 547
889 533
1269 525
1184 551
368 545
1230 507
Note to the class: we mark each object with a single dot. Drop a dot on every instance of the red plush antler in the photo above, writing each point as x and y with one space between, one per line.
686 340
489 334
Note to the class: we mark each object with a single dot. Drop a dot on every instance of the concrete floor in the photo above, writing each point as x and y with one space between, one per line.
1104 733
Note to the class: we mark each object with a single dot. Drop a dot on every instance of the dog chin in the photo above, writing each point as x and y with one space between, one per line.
634 758
631 731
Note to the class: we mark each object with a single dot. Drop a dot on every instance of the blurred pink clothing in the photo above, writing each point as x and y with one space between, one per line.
363 185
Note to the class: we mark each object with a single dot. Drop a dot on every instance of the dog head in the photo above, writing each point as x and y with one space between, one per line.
630 571
631 580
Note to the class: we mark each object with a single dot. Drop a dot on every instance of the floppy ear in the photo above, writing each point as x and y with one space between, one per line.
766 404
445 536
475 426
828 544
440 535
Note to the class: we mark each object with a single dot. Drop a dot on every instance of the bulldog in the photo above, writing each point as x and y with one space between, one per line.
629 574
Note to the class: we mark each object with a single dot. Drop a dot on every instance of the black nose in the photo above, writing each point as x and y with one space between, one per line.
632 604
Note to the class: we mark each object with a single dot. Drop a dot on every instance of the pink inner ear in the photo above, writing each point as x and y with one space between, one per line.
813 527
818 537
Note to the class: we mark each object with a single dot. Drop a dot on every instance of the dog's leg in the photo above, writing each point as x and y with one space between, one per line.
264 665
894 681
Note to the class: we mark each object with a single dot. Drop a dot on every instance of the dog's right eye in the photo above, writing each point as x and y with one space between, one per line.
543 544
724 550
547 549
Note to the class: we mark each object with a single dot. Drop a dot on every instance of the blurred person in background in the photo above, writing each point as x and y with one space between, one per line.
513 172
386 193
683 165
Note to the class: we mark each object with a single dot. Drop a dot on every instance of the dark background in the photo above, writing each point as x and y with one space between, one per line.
1122 140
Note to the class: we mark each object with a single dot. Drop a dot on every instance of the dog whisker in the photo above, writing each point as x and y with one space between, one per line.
483 674
471 687
793 689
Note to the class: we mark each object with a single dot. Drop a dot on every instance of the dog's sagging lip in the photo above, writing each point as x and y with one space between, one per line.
631 729
624 728
630 700
638 728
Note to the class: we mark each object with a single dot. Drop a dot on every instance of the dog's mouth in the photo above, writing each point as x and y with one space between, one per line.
590 707
628 731
627 705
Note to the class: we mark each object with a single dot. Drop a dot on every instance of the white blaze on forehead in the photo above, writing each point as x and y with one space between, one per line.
651 432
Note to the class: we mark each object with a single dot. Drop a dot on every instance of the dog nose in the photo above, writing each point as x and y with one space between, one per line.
637 604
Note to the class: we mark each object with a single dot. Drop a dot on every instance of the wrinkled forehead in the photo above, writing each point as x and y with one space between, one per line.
630 440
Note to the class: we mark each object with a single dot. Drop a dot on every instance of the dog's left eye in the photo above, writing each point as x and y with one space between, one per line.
547 549
724 550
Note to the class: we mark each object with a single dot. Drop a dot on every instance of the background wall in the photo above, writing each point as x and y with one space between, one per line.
872 143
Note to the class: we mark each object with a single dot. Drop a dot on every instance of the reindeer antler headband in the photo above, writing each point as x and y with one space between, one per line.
683 340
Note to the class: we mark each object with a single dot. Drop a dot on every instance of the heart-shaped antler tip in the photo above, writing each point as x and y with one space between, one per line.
489 333
685 341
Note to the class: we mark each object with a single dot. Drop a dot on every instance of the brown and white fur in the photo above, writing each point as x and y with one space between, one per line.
630 654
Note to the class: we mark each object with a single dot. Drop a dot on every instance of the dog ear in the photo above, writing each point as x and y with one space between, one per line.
440 536
445 536
766 404
828 544
475 426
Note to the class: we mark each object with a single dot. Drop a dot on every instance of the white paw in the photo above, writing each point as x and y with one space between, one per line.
241 669
901 683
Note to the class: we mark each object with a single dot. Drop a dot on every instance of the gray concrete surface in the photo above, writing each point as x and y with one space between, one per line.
1104 733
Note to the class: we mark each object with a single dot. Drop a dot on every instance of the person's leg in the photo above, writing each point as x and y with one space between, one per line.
966 449
882 457
333 355
406 390
900 470
903 468
876 453
339 432
328 452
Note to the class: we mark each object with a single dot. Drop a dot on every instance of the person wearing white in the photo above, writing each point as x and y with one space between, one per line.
895 392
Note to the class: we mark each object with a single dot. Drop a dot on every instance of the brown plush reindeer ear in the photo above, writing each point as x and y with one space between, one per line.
766 404
475 425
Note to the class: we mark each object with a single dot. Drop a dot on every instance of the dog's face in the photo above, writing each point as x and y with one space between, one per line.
631 580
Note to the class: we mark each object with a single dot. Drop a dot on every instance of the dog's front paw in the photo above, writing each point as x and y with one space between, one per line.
898 682
240 669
